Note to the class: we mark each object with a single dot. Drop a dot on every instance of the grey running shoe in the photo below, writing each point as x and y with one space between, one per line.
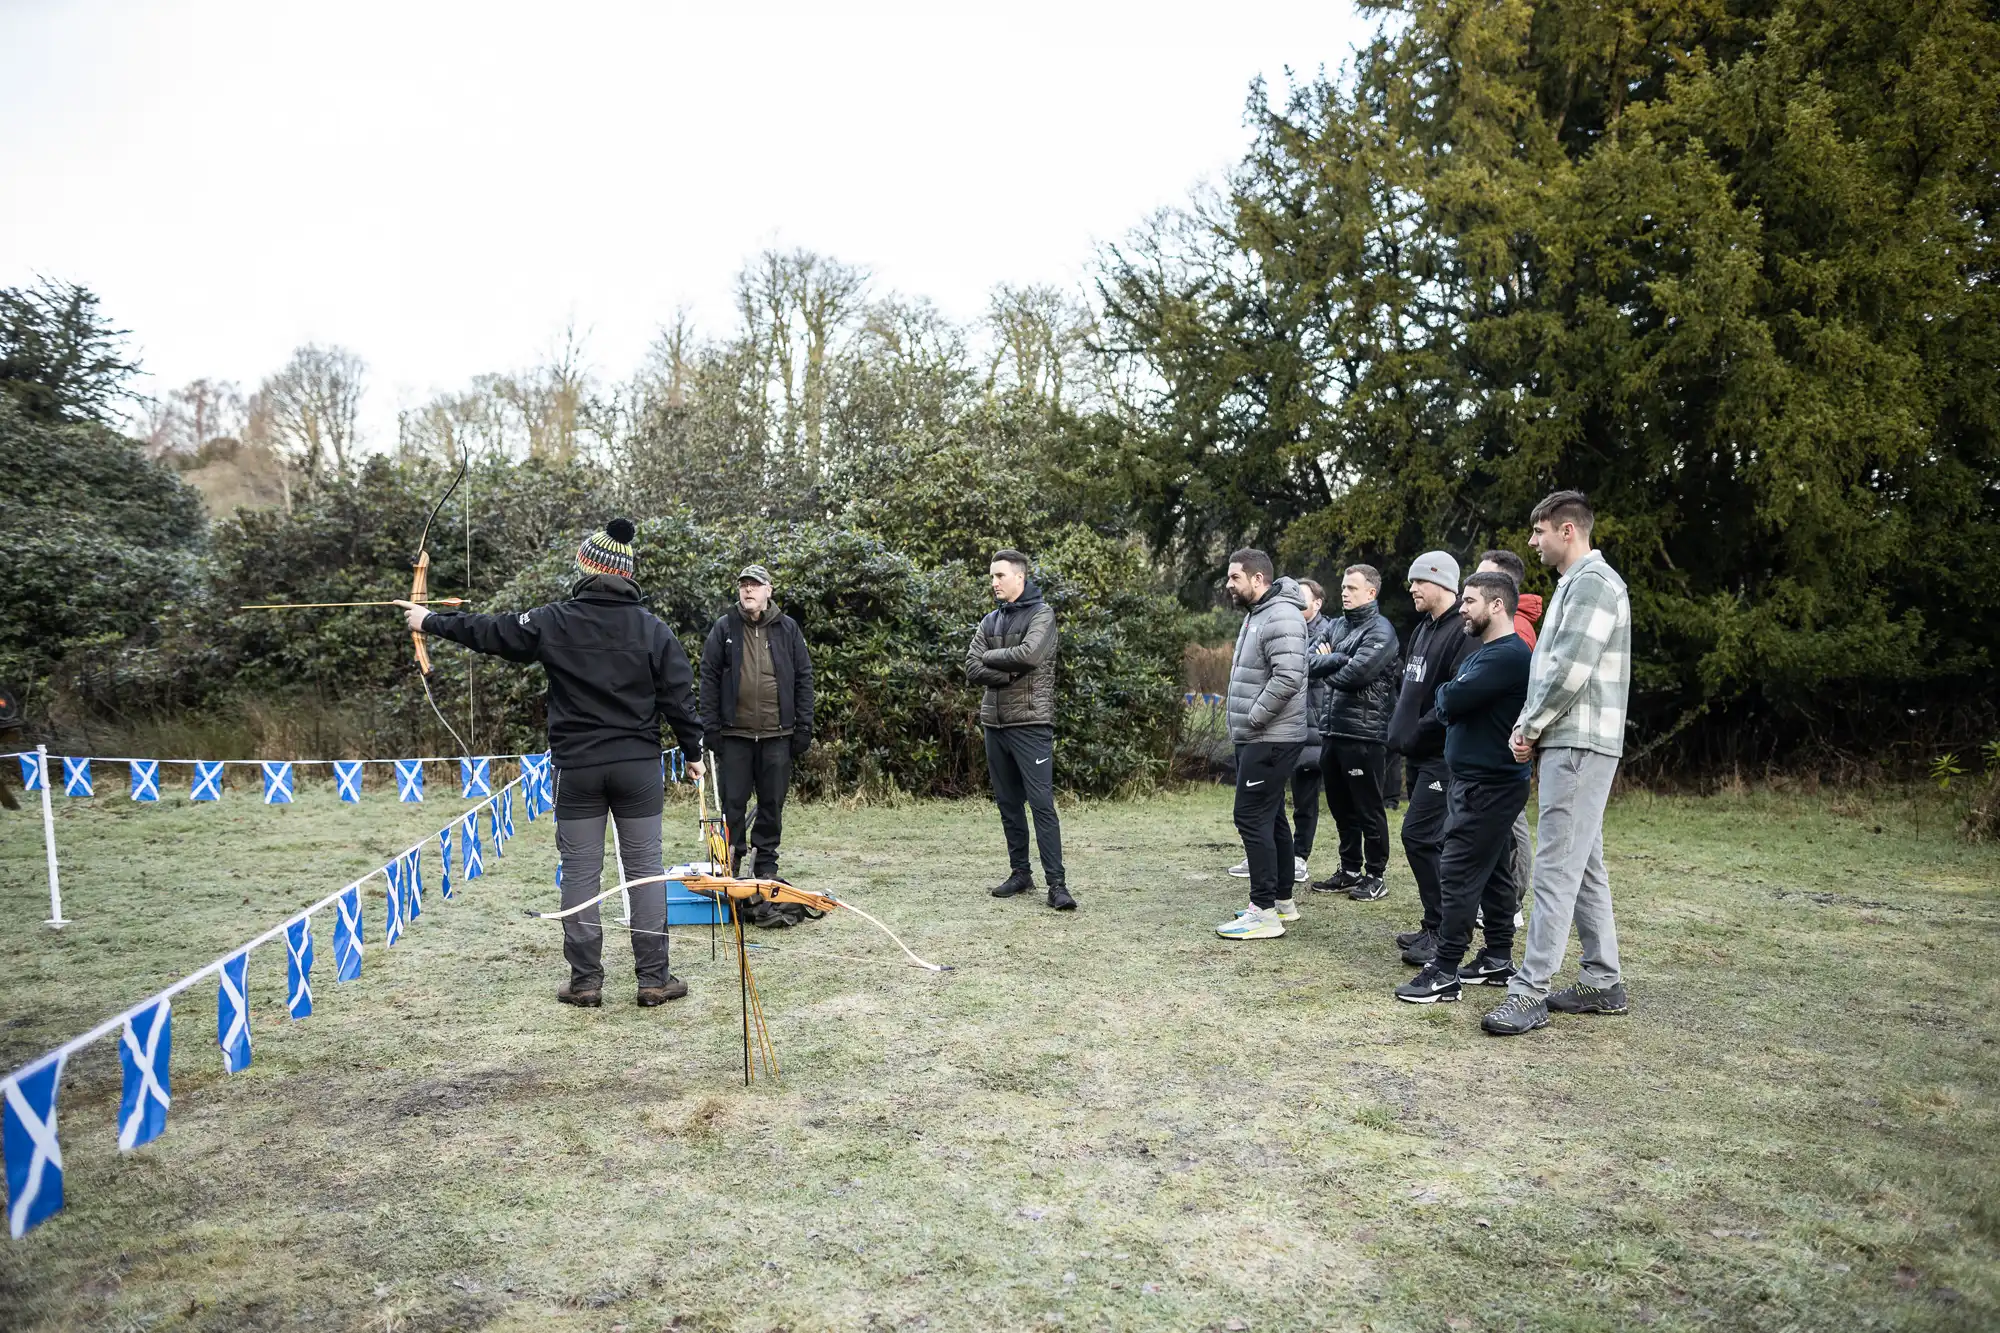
1341 883
1433 985
1370 889
1517 1015
1582 999
1421 950
1405 938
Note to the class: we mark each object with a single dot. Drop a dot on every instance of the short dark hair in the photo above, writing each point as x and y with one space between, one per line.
1369 572
1012 557
1493 584
1255 562
1510 564
1312 586
1559 507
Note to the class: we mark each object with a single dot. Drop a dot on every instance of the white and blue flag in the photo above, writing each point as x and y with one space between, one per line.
392 928
413 883
76 777
409 780
277 782
444 862
207 780
493 827
468 847
298 968
28 1138
475 776
347 779
145 1050
347 934
232 1015
31 772
507 813
145 779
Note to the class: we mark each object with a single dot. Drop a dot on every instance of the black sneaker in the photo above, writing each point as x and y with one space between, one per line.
1518 1014
1405 938
1340 883
1018 882
1582 999
1487 971
1060 900
1370 889
1433 985
1421 950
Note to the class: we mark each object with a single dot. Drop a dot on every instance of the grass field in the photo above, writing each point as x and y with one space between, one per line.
1106 1120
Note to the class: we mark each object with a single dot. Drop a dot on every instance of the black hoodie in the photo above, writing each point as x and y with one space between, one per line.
614 670
1436 645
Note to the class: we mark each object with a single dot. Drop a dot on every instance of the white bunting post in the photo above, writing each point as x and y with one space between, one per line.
56 919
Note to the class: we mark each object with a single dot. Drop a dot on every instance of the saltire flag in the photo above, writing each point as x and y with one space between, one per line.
31 772
413 884
392 929
28 1138
493 827
145 1050
468 847
207 780
232 1015
145 779
444 862
298 968
528 797
347 779
475 776
347 934
409 780
76 777
277 782
507 813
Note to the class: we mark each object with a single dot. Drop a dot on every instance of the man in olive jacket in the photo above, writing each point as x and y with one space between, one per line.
1013 654
757 711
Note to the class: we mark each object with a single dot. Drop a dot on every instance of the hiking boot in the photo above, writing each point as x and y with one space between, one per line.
1405 938
1369 889
1421 950
1340 883
1018 882
1287 909
1060 900
1433 985
1299 872
1582 999
591 997
1487 971
1516 1015
1253 923
652 997
1241 869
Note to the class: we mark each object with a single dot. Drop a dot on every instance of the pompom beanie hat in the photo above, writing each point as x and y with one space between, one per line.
609 551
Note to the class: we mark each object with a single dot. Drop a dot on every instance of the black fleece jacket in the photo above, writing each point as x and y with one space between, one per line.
1436 645
614 670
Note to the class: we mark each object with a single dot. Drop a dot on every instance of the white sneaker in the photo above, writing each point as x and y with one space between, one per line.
1299 872
1288 909
1241 869
1252 924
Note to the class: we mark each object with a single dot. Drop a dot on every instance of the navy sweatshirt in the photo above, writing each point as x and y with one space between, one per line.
1478 707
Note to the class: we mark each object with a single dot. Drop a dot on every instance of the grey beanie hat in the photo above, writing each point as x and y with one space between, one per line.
1436 567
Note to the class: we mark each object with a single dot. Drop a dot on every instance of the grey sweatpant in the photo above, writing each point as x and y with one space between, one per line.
1570 882
628 791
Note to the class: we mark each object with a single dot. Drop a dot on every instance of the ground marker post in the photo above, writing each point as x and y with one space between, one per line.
56 919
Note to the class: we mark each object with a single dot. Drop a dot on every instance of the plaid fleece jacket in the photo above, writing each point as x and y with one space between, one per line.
1582 668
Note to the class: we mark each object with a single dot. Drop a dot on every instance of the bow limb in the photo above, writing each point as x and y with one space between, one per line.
420 592
897 940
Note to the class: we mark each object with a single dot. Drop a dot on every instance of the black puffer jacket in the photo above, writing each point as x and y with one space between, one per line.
1360 673
1319 695
1013 654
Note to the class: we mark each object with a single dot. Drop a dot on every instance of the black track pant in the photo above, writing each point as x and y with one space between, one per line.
1477 867
629 791
1021 762
1423 832
744 766
1263 774
1354 793
1306 786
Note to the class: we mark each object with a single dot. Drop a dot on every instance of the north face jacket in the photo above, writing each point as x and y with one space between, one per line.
1013 654
1267 677
1361 675
614 670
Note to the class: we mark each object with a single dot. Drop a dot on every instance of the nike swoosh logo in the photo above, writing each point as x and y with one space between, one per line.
1041 761
1258 783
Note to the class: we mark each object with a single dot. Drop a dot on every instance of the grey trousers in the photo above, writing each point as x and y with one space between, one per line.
1570 882
580 844
1523 858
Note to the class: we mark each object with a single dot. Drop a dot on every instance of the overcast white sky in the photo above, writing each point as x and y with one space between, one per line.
442 187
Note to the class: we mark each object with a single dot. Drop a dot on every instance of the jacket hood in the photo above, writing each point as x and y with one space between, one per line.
1031 595
1286 589
613 586
1530 606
